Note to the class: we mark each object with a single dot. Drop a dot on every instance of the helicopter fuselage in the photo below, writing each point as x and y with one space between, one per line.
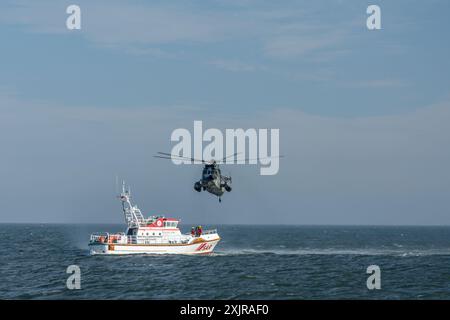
213 181
214 187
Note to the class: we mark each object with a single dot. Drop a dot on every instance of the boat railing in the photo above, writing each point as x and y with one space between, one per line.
99 237
106 237
157 240
211 231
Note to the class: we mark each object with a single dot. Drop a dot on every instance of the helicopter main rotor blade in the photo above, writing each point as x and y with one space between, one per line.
161 157
172 156
164 155
251 159
223 159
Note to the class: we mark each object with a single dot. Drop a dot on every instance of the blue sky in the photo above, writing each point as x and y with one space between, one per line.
234 55
139 69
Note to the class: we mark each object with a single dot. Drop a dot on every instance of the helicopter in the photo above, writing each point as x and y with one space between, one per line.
212 179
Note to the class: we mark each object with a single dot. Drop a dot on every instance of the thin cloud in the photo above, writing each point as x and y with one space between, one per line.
135 25
377 83
235 65
365 167
295 46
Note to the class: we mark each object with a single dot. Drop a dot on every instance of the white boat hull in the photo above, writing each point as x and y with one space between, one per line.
199 247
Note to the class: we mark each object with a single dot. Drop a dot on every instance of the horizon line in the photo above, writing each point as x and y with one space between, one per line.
240 224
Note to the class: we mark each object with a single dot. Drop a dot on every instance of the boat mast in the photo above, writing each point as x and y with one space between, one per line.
133 216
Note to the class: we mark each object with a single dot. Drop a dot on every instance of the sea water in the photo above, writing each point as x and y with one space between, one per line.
250 262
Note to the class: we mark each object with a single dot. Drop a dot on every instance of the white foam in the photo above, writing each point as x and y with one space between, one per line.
333 251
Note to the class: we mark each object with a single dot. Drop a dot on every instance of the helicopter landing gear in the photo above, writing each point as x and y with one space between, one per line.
198 187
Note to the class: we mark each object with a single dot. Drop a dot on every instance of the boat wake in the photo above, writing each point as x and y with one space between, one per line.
330 251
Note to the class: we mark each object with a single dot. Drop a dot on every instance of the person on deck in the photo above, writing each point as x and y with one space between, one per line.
193 231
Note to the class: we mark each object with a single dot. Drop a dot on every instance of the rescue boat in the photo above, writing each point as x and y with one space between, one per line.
152 235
